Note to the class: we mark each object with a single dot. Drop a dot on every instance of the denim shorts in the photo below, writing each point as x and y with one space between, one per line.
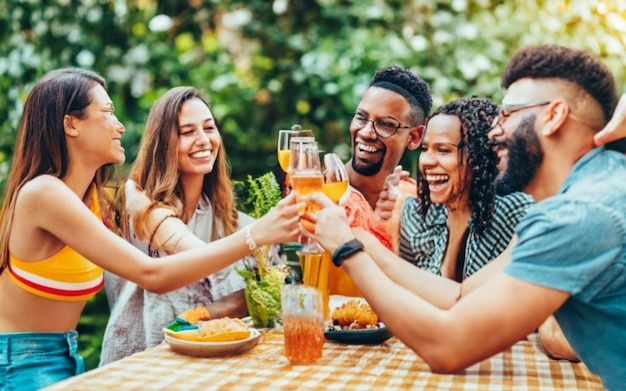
30 361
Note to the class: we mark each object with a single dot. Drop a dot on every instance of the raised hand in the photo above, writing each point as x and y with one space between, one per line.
332 227
280 224
389 194
616 128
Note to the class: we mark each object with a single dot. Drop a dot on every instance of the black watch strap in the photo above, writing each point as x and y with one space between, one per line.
345 250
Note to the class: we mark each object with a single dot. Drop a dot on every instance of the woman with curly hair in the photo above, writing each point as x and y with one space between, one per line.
457 224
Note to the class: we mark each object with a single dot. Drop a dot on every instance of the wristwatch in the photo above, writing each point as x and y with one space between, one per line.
346 250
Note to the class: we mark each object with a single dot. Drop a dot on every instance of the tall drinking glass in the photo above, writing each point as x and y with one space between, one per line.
306 178
319 266
303 323
315 271
284 141
283 148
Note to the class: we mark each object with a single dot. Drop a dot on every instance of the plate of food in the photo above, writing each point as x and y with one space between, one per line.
355 322
216 337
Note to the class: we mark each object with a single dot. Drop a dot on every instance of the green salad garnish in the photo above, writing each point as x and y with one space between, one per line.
181 324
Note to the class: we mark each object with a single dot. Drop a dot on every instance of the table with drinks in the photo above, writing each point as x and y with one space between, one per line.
297 356
390 365
305 351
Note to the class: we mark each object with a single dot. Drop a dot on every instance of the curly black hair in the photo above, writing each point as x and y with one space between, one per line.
577 66
475 150
404 82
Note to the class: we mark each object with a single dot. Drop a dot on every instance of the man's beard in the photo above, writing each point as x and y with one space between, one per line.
524 158
370 170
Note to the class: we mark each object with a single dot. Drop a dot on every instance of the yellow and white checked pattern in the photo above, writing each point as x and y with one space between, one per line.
388 366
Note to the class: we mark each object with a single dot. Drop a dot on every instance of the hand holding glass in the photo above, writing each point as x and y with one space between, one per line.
306 179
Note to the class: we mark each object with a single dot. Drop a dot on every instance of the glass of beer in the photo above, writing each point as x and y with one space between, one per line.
303 323
306 179
315 271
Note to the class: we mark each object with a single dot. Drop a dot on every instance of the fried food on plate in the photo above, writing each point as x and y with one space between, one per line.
215 330
355 314
224 329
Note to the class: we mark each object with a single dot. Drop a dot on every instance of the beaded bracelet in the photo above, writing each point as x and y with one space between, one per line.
249 241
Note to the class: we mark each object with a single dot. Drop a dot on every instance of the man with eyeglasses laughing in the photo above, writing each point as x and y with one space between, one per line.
511 180
388 120
569 255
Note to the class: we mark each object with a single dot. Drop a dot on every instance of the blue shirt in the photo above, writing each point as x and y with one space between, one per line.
576 242
423 241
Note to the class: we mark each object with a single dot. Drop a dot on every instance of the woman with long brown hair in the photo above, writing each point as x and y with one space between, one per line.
181 164
54 245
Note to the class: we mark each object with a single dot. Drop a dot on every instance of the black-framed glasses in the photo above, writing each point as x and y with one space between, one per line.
507 109
384 128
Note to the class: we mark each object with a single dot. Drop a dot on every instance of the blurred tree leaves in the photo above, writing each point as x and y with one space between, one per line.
267 64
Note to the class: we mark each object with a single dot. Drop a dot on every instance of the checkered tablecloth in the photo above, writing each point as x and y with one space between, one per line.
390 365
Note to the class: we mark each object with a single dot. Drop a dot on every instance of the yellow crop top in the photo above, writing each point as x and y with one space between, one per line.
65 276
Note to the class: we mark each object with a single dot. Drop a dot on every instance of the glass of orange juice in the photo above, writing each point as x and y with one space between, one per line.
303 323
335 177
284 143
284 139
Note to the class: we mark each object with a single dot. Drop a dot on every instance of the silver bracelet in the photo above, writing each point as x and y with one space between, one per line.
249 241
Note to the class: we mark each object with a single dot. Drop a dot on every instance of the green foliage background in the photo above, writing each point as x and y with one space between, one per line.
269 64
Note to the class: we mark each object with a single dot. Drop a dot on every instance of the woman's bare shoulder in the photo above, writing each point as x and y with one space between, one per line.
45 191
42 183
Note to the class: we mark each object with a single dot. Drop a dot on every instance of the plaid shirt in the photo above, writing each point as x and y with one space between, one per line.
423 242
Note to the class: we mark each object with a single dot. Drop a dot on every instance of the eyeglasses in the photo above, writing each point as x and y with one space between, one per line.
506 110
383 127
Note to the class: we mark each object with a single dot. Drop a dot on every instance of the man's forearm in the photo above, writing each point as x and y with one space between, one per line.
439 291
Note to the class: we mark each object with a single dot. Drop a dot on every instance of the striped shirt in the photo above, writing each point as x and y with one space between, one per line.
423 242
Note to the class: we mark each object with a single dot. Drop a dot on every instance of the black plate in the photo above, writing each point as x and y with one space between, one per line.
359 337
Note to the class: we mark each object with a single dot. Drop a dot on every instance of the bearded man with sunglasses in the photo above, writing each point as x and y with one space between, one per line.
569 256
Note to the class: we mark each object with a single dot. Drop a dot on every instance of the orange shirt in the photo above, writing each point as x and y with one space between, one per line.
360 214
